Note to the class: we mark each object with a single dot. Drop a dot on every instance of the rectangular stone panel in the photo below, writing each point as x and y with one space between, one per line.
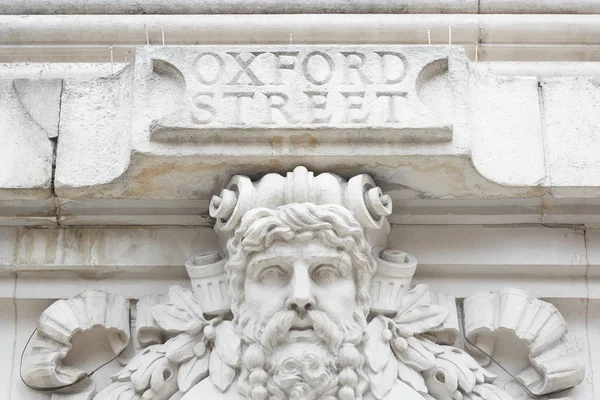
205 93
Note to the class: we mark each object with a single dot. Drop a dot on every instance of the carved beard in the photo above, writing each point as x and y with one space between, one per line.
303 370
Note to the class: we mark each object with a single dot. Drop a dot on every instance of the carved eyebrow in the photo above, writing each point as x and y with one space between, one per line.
261 261
344 264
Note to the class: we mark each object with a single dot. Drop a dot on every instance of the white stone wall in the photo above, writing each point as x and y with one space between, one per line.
493 165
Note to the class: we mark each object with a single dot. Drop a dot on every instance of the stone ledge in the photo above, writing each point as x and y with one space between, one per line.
449 140
467 29
56 263
299 6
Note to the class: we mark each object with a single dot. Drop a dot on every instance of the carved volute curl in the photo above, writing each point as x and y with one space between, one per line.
360 195
554 363
304 301
42 365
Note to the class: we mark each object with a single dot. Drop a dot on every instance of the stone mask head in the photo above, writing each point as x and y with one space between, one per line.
299 277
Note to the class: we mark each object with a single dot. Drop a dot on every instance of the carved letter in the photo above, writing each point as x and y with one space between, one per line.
220 68
354 100
285 60
318 101
278 101
208 111
355 61
308 74
238 110
391 103
384 67
244 67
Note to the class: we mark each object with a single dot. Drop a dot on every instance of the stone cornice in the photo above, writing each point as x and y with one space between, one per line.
299 6
551 262
305 29
463 145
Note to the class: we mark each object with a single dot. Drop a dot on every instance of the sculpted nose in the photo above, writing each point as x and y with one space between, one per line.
302 304
301 298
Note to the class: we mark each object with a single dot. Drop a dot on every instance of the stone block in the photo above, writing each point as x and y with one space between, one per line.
28 119
180 121
442 134
29 112
571 118
331 93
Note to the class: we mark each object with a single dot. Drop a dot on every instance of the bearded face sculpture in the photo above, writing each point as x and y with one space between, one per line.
300 276
302 301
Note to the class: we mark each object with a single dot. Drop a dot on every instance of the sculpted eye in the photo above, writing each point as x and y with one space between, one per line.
272 274
325 273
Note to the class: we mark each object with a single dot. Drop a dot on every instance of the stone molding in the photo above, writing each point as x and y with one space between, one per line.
446 137
549 262
220 29
302 7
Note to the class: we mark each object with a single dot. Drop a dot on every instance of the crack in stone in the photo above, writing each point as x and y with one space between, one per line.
54 154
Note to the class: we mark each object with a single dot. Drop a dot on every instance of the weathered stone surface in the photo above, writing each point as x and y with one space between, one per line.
506 111
539 7
234 7
94 124
300 6
29 112
404 113
571 115
440 132
333 93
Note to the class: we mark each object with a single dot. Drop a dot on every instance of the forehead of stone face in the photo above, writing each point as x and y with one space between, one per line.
310 252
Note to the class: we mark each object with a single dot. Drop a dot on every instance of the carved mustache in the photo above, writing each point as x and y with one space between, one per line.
280 324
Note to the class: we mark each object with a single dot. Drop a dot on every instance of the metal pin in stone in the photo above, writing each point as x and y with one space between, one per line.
477 51
291 38
429 36
450 34
163 35
147 37
112 60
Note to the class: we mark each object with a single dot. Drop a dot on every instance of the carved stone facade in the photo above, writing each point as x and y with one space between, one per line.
324 201
303 301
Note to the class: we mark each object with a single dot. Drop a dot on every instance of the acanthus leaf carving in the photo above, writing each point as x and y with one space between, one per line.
180 348
417 314
377 348
192 371
182 313
221 374
228 343
487 392
383 381
412 377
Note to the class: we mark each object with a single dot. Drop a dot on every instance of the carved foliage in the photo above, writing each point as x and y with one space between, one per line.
196 348
401 349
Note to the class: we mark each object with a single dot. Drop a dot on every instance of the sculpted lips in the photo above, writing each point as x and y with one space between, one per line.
301 327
